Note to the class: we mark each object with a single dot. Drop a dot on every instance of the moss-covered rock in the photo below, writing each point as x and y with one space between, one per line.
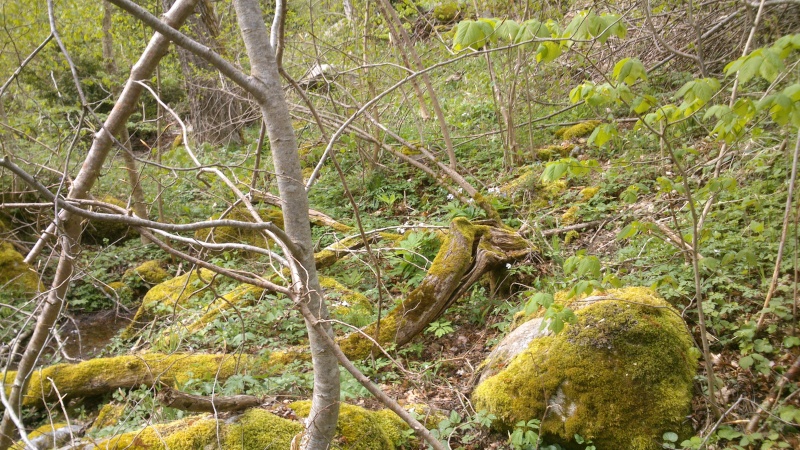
553 152
149 272
259 429
621 376
577 130
98 232
446 12
361 429
18 281
346 304
168 297
239 235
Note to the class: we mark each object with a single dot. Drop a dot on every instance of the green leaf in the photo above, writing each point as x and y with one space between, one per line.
669 436
602 134
628 231
746 362
472 34
589 265
554 171
629 70
507 30
530 30
547 52
709 262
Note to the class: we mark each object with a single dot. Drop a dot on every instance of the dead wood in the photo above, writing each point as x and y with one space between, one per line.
201 403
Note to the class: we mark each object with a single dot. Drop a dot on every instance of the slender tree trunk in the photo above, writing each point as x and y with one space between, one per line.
214 112
321 424
69 227
108 40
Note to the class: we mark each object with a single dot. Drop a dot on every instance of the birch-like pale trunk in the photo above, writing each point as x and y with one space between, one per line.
69 227
321 423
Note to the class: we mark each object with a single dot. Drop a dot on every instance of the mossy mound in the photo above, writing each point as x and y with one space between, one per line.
553 152
361 429
239 213
577 130
119 290
446 12
169 296
346 304
100 233
149 272
18 280
621 376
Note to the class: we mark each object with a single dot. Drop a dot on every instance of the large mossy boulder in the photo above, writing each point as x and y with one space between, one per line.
620 376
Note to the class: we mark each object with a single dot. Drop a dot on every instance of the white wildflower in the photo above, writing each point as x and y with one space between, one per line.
508 265
401 230
450 196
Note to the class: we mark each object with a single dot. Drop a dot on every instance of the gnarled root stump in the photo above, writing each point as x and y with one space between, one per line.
468 252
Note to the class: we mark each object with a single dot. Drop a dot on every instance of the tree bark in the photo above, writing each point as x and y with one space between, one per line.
70 229
322 419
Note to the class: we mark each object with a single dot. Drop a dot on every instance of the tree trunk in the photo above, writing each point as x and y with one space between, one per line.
214 112
70 228
322 419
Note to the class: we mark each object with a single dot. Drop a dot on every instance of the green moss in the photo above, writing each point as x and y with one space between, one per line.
346 304
621 376
526 181
18 280
446 12
239 235
97 232
578 130
170 296
571 236
553 152
570 215
258 429
242 295
361 429
449 265
149 272
90 377
109 415
588 193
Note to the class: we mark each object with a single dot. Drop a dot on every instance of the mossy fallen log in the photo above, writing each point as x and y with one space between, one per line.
358 429
102 375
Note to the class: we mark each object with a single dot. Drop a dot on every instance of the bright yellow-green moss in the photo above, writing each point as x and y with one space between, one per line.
571 236
578 130
187 434
552 152
446 12
96 232
150 272
97 376
19 281
239 235
361 429
242 295
169 297
526 181
346 304
109 415
258 429
569 217
621 376
588 193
